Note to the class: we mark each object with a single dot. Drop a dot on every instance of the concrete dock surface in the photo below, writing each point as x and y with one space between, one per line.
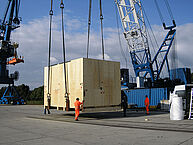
27 125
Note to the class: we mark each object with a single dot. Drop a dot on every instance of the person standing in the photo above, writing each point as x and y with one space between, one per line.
77 108
147 104
124 105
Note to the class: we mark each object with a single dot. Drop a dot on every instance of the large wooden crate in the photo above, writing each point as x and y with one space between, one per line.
95 81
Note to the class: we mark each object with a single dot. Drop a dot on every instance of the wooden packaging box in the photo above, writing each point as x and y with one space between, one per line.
95 81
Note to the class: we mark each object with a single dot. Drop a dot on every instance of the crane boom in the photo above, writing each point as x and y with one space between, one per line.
133 23
134 27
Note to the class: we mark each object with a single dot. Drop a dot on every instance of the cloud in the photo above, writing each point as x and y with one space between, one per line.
33 40
100 56
53 60
185 45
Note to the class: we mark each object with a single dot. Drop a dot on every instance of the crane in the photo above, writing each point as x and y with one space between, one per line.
8 49
135 33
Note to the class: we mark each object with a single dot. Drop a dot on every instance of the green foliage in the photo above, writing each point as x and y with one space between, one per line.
35 102
29 96
37 94
23 91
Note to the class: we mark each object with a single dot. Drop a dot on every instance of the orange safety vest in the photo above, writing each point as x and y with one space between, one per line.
146 102
77 105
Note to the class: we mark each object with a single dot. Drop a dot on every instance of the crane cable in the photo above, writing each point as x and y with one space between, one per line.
101 18
7 9
159 12
89 23
49 53
169 9
118 32
151 29
64 49
17 8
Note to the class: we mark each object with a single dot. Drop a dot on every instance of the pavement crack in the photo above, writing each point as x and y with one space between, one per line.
185 141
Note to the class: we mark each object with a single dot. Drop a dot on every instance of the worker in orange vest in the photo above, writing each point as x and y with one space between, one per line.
77 108
147 104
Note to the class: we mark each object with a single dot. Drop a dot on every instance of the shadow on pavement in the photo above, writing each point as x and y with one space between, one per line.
109 115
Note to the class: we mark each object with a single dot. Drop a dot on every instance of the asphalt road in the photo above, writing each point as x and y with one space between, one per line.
27 125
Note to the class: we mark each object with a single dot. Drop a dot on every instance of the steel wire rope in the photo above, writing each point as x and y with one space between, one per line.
159 12
169 9
119 38
64 49
18 6
6 11
102 37
150 28
151 32
49 47
162 20
89 23
174 55
19 2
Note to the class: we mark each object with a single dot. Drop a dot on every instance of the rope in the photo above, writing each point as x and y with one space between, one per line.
5 15
89 23
150 29
19 2
63 45
101 18
118 32
169 9
17 8
160 15
151 32
49 47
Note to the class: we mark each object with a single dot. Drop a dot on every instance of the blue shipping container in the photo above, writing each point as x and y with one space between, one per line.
137 96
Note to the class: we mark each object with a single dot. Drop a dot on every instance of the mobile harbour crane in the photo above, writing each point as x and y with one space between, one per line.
8 52
135 32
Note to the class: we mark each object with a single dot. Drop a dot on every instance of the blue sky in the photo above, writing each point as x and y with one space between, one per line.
33 33
33 9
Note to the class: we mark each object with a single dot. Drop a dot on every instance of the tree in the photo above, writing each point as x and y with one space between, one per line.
37 94
24 91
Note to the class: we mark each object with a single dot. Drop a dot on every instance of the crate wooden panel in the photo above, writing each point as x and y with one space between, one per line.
95 81
75 80
57 88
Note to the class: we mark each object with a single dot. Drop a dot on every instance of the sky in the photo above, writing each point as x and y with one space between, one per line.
32 36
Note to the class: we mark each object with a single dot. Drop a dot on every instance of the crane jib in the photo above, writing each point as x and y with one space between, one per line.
134 27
